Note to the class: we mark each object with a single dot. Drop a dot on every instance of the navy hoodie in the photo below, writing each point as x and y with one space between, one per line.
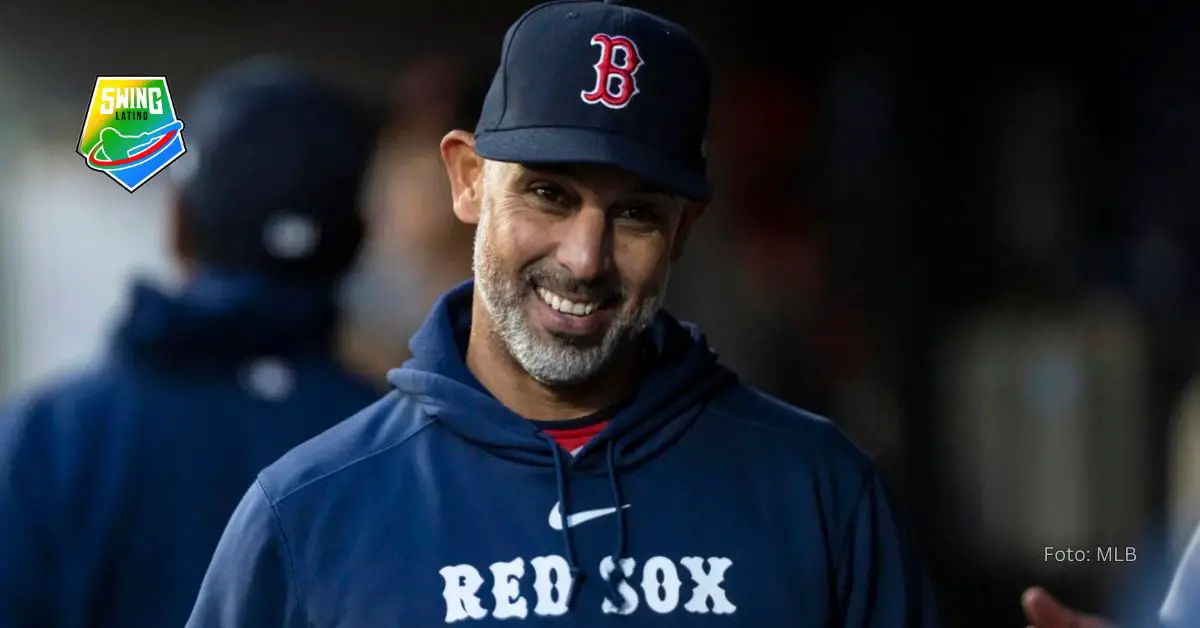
115 483
703 502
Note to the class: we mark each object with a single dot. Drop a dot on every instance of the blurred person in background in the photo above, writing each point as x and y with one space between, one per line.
560 446
115 483
415 250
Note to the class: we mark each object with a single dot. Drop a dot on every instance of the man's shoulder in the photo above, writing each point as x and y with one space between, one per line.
776 425
64 402
379 428
62 430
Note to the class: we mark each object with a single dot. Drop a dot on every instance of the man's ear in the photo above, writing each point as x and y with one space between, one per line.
465 168
692 211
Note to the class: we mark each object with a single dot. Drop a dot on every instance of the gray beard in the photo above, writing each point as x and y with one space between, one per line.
550 361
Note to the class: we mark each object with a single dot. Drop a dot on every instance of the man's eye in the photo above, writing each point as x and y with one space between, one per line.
551 194
639 214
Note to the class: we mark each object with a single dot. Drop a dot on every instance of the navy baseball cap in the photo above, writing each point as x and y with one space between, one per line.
583 81
277 163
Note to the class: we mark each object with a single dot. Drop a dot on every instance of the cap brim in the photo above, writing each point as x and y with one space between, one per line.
548 145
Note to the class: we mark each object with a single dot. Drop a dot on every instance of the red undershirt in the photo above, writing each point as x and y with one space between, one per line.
573 434
573 439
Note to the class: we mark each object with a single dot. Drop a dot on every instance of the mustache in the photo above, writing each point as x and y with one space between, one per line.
604 288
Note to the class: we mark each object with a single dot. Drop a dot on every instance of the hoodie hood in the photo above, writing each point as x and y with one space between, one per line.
228 314
682 373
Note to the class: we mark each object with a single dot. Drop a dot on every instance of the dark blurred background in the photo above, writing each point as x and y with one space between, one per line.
964 231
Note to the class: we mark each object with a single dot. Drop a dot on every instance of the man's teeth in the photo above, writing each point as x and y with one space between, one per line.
567 306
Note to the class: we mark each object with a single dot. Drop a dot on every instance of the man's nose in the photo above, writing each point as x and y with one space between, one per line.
587 244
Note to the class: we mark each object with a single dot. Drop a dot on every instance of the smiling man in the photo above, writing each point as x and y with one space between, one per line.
560 450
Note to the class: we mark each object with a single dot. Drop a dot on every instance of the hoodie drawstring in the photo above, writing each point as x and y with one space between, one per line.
618 574
577 574
560 473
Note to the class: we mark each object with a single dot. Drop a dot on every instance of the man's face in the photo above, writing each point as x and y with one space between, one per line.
571 263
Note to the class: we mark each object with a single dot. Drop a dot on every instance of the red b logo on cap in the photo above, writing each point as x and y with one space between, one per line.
619 61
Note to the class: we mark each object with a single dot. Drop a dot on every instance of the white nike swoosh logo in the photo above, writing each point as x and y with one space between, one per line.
556 518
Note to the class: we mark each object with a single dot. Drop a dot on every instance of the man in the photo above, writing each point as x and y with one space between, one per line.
559 450
115 483
1181 609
